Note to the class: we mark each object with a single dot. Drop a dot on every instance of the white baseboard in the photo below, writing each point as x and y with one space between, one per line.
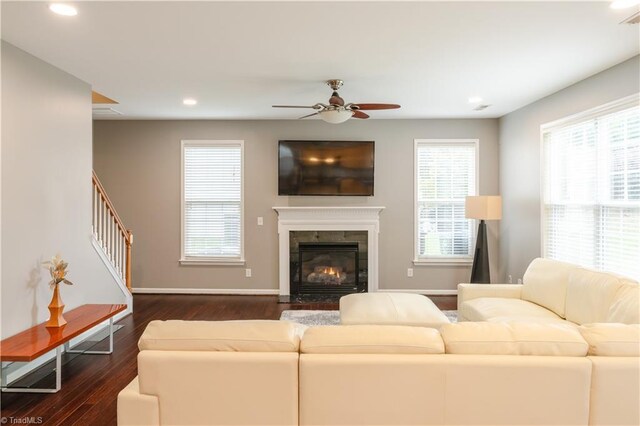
221 291
426 292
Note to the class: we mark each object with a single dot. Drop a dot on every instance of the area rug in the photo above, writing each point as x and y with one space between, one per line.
331 317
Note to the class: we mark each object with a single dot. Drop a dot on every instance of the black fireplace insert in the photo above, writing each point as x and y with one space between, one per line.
329 268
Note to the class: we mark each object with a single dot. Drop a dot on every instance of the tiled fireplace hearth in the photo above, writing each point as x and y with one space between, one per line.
328 250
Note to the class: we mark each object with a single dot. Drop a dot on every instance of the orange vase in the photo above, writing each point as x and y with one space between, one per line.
55 309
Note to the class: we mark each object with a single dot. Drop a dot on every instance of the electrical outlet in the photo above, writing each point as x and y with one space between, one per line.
247 272
260 221
410 272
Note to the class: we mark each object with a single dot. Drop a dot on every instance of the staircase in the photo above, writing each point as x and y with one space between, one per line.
111 238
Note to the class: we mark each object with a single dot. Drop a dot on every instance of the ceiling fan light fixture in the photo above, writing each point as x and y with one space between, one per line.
335 116
63 9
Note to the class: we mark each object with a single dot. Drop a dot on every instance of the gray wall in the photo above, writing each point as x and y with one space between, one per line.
520 239
139 164
46 191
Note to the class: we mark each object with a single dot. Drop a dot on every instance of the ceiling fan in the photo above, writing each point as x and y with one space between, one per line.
336 111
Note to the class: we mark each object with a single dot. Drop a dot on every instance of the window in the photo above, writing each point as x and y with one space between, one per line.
445 174
591 189
212 214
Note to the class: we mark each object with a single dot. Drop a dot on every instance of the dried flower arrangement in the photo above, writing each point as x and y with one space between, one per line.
58 270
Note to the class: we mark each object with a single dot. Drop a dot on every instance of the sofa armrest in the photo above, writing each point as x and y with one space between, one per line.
136 409
474 291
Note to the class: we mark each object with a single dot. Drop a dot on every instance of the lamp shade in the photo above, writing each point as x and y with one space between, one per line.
485 207
336 116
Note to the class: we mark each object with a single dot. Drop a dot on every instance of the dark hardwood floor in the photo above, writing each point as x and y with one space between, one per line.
90 383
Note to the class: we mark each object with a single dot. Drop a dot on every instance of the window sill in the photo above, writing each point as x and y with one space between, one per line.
212 262
443 262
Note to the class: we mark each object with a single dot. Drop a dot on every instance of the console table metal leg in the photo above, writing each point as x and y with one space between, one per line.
58 370
68 349
3 375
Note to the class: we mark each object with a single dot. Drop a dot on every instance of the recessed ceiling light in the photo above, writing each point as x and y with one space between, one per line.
189 101
63 9
623 4
475 100
481 107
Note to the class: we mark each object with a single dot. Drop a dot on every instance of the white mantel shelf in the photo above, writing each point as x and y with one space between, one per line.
343 218
328 213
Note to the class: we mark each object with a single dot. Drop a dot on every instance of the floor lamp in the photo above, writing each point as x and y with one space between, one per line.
483 207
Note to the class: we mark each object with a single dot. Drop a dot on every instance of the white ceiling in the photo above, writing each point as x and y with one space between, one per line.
239 58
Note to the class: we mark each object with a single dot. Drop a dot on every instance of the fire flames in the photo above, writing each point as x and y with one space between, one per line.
333 275
330 270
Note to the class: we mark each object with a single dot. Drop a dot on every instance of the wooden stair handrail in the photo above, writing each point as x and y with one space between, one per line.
125 232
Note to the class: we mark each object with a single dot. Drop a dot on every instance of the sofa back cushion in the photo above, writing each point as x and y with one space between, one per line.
590 295
514 338
227 336
545 283
612 339
221 388
371 339
625 307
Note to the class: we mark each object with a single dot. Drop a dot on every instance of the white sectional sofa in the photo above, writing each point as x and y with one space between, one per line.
481 373
553 291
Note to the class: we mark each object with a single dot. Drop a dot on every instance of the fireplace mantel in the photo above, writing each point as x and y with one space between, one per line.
363 218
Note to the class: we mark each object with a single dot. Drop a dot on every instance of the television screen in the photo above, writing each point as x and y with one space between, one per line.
325 168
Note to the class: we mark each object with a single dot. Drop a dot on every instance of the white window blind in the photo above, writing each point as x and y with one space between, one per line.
445 175
591 191
212 216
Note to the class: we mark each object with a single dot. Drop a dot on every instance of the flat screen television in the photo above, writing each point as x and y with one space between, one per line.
325 167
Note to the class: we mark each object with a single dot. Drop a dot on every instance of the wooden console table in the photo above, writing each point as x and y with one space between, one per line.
37 341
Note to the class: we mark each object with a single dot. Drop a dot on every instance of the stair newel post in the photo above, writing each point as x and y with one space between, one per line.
129 242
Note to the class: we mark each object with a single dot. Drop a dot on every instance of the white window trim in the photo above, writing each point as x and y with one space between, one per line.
442 260
220 260
610 107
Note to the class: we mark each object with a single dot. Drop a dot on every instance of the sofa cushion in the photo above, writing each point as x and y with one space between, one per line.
545 283
626 305
612 339
485 308
371 339
229 336
590 295
390 309
488 338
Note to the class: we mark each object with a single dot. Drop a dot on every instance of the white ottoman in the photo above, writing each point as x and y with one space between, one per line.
390 309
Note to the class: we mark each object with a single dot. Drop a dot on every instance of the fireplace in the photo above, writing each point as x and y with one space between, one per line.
328 263
326 268
327 225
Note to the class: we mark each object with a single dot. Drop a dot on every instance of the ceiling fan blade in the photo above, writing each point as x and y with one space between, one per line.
367 107
294 106
310 115
360 114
